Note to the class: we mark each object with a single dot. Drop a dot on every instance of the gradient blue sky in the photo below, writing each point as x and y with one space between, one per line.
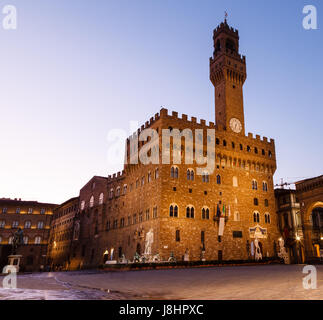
73 70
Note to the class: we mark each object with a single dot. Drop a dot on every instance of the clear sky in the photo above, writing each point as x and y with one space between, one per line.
73 70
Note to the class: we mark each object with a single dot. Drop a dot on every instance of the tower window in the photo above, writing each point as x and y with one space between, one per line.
230 45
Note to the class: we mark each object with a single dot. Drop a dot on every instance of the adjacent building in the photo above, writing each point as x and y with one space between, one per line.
34 219
290 223
310 196
61 234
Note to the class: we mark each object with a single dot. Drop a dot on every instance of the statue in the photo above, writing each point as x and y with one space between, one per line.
186 255
136 258
18 240
282 251
156 258
172 258
258 255
149 241
123 259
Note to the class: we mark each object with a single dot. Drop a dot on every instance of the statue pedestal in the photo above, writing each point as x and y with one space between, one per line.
111 262
14 260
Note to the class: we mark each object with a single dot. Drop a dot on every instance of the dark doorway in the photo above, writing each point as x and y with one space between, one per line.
220 255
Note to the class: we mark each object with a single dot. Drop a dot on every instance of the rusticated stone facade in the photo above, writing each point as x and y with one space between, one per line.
34 218
180 206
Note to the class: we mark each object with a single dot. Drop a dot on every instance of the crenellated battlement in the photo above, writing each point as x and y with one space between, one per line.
223 26
116 176
193 121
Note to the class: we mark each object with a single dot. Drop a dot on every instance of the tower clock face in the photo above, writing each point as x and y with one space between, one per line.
235 125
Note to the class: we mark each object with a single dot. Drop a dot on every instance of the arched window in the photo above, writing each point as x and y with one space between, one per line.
10 240
82 205
173 210
229 44
256 217
37 240
218 46
15 224
27 224
254 184
190 174
91 201
101 198
26 239
174 172
205 213
255 201
265 186
205 177
190 212
267 218
218 179
118 192
224 143
40 225
156 173
111 193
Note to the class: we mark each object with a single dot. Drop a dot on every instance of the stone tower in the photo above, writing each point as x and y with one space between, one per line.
228 74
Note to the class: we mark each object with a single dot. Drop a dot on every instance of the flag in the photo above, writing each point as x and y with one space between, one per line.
223 211
221 227
218 212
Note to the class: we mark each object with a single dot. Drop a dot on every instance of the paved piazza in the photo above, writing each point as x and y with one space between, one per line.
223 283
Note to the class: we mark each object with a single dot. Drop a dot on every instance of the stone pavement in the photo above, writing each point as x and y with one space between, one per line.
217 283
